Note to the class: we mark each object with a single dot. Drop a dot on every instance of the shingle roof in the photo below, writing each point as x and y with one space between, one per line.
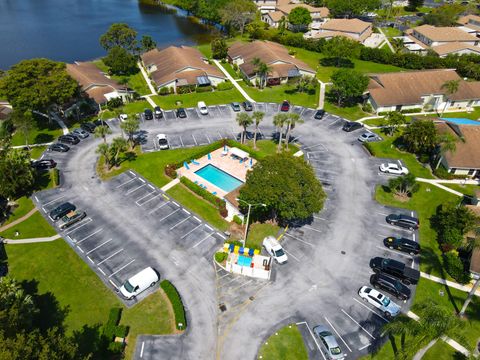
444 33
464 20
407 88
276 16
454 47
175 62
346 25
287 8
267 51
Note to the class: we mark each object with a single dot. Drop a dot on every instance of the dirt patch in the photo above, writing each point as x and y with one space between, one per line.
236 230
401 198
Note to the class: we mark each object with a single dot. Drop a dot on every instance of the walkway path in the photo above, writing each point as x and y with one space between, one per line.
170 185
437 184
229 77
56 118
150 101
33 240
386 39
321 97
147 79
13 223
449 283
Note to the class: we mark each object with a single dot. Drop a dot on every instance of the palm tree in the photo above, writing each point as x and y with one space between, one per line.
262 70
244 120
104 150
279 121
292 120
257 117
469 297
448 143
102 131
130 126
451 87
119 145
402 326
403 186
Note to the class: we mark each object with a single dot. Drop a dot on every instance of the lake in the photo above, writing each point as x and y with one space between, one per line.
68 30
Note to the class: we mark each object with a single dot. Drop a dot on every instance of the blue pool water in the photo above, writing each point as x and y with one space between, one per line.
244 261
462 121
219 178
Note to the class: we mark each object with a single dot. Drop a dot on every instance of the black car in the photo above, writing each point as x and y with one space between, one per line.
402 244
158 112
404 221
69 139
88 126
101 123
247 106
148 114
395 268
61 210
351 126
319 114
58 147
44 164
391 285
181 113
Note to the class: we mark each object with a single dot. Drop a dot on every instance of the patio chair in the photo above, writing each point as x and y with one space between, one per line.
231 247
214 193
251 252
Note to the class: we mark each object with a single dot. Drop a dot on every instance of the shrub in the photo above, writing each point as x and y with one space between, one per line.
116 347
177 304
121 331
108 330
55 176
170 171
367 108
203 89
164 91
114 316
187 89
199 190
224 86
455 268
237 220
221 256
235 67
114 103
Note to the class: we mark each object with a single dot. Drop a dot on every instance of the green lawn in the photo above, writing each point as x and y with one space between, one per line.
57 270
391 32
34 226
201 207
230 70
464 189
205 49
285 344
37 151
42 131
374 122
279 93
135 81
440 351
257 232
348 112
131 109
169 102
25 204
425 202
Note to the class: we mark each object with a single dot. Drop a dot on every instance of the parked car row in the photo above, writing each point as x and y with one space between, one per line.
76 135
66 215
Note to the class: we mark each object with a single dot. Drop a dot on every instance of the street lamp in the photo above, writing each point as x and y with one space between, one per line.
248 217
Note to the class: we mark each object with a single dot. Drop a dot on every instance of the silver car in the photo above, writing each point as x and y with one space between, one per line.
328 343
82 134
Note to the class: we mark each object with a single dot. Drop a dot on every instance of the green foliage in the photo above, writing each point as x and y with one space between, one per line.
147 43
120 61
207 195
299 17
220 256
413 5
237 14
340 47
394 120
244 120
348 84
114 316
23 122
445 15
55 176
219 48
404 185
455 268
237 220
227 85
130 127
119 35
186 89
203 89
351 7
37 84
116 347
420 137
16 174
177 304
114 103
287 185
164 91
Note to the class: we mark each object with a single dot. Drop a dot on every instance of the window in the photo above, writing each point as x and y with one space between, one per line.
471 172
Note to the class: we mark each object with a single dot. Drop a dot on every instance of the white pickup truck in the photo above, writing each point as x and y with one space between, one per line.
275 250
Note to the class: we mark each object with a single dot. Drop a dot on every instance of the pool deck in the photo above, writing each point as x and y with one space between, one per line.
224 162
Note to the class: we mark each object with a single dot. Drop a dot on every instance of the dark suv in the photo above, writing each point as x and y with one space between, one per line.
402 244
44 164
181 113
404 221
88 126
391 285
148 114
61 210
69 139
351 126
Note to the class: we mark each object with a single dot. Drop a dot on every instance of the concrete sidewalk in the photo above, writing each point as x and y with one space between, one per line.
452 284
229 77
32 240
18 221
147 79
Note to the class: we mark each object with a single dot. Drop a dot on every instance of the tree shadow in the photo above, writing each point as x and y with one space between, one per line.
43 138
92 343
42 179
127 156
337 62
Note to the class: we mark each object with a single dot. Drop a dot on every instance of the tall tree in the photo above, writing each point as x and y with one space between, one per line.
340 47
237 14
23 122
402 326
101 132
447 143
287 185
120 61
445 15
103 149
147 43
262 70
257 117
393 120
244 120
352 7
403 186
299 18
420 137
413 5
279 120
121 35
130 126
292 120
348 84
16 173
219 48
37 84
451 88
119 145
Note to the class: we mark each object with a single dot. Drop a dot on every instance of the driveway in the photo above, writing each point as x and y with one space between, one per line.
132 224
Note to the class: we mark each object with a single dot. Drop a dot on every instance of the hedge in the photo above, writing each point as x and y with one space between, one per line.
114 316
208 196
224 86
55 176
177 304
220 256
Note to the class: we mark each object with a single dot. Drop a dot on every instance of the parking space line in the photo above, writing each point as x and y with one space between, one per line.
52 201
188 233
336 332
197 219
150 199
79 248
201 241
151 186
158 208
195 140
135 189
290 254
209 227
186 211
123 267
313 337
373 312
167 216
110 256
176 204
99 246
88 236
364 346
303 241
126 182
311 228
88 257
208 139
141 350
355 321
179 223
181 141
238 287
319 218
102 272
143 181
78 227
143 197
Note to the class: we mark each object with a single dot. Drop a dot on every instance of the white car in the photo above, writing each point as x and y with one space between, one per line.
162 142
123 117
275 250
202 107
380 301
392 168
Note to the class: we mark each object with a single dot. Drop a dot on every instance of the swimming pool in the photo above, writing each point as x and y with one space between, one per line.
462 121
219 178
244 261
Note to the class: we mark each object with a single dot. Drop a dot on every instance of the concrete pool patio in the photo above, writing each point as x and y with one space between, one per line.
224 159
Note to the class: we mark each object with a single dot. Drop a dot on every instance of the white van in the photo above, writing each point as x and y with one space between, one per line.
275 250
202 107
139 282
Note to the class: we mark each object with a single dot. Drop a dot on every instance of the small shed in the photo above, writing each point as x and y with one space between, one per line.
239 153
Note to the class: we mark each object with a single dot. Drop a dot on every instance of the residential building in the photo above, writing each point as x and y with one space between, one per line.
96 84
464 160
319 14
266 6
5 112
177 66
355 29
421 90
282 65
470 24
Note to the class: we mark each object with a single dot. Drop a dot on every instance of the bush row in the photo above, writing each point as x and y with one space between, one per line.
455 267
207 195
224 86
177 304
55 176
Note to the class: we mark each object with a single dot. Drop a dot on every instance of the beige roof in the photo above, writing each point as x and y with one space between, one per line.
475 261
287 8
331 34
5 111
276 16
464 20
267 51
407 88
444 33
450 48
346 25
182 62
